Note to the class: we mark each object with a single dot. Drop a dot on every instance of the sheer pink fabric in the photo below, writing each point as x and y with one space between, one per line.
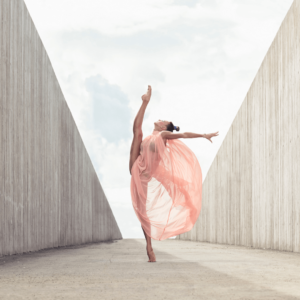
166 187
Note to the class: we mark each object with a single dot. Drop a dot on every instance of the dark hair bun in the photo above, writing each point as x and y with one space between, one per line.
171 127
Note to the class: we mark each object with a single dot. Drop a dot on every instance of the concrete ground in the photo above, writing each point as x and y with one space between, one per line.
119 270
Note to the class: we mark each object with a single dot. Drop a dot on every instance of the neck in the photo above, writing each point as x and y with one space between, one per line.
158 128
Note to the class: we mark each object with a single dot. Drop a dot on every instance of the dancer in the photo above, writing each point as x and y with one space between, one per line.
166 182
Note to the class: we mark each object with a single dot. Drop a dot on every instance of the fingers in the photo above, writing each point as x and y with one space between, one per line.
212 135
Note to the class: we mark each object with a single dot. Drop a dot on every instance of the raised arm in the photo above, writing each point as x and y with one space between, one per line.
187 135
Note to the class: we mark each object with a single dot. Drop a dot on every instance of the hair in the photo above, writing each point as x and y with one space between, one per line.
171 127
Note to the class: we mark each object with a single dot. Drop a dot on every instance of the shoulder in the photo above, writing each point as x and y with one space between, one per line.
164 134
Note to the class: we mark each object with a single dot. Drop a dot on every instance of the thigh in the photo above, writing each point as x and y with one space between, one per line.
135 148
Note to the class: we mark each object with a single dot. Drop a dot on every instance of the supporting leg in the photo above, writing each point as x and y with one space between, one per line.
149 248
135 152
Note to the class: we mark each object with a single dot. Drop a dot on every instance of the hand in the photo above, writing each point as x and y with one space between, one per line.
147 96
210 135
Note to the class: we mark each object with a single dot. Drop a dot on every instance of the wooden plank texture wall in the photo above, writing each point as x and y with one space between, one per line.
251 194
50 194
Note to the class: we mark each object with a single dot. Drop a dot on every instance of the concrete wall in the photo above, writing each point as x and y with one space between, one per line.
50 193
251 194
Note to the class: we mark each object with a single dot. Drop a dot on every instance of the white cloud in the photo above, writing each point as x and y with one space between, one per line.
111 114
199 56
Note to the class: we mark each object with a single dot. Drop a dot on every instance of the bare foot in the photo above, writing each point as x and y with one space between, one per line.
147 96
151 255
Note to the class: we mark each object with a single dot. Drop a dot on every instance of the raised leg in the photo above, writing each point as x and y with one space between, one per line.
135 152
137 129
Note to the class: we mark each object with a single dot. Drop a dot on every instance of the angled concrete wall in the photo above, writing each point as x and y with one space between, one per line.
50 193
251 194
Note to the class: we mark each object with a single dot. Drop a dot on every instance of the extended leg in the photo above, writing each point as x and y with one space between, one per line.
135 152
137 129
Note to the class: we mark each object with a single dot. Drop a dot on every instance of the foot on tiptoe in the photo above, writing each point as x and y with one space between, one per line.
151 255
146 97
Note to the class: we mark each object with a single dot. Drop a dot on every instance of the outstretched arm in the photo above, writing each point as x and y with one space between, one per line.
138 121
187 135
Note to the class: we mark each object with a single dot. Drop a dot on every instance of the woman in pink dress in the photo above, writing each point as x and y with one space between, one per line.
166 182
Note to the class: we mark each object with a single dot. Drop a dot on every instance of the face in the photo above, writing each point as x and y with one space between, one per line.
162 124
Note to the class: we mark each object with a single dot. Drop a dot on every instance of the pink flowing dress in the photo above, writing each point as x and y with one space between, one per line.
166 187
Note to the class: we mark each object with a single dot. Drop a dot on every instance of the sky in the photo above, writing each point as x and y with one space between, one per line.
199 56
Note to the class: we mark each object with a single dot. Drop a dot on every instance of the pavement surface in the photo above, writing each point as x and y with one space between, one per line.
119 270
